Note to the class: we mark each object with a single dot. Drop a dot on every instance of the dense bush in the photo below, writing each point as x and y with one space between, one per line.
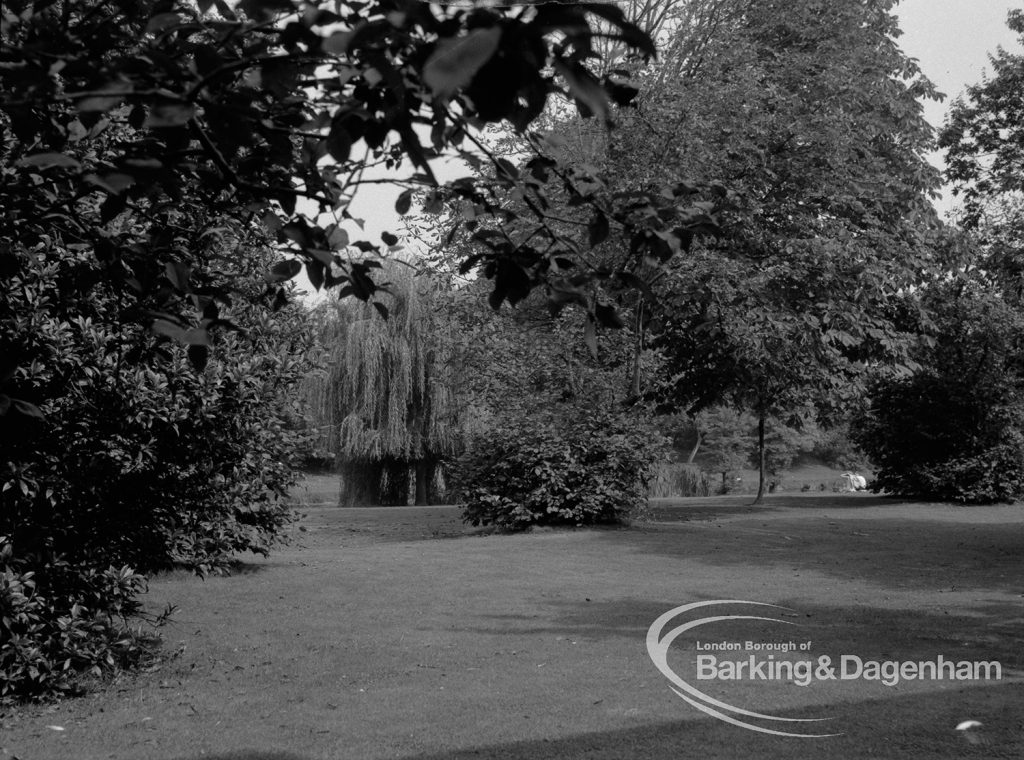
954 431
589 470
946 438
117 451
59 620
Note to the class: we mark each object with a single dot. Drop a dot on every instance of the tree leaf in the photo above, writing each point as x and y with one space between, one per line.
337 43
49 161
197 337
162 21
339 141
169 329
169 115
455 61
315 272
337 237
283 271
27 409
298 232
597 230
608 316
590 96
198 355
404 202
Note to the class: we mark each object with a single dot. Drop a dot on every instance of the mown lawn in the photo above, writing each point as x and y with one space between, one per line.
400 633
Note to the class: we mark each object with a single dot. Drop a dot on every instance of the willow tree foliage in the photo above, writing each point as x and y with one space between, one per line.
388 402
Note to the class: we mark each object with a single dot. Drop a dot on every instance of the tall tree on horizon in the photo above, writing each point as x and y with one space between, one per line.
807 113
388 397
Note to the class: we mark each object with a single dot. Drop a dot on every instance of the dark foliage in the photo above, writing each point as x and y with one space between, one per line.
59 620
982 135
115 465
247 110
594 469
954 431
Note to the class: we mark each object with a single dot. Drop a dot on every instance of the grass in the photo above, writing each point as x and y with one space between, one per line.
399 633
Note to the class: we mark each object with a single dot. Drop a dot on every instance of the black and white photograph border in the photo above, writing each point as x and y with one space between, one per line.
386 379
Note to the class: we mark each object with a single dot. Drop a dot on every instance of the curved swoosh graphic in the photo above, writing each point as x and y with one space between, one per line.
657 649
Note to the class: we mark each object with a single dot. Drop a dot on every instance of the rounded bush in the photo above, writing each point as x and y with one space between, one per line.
946 438
588 471
954 430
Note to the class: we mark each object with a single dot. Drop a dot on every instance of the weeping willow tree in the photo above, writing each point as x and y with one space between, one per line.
387 401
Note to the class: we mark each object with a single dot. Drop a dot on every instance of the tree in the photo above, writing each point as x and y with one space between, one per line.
726 441
146 150
824 169
821 176
118 469
389 399
982 134
255 109
954 431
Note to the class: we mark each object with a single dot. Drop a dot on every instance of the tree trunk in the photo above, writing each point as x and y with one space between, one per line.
429 489
760 460
360 483
695 449
424 474
394 483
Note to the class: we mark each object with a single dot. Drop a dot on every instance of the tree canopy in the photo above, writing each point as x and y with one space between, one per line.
389 400
982 136
130 129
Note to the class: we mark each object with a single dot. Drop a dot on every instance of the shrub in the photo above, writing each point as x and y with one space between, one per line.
955 429
141 458
118 452
591 470
945 438
58 620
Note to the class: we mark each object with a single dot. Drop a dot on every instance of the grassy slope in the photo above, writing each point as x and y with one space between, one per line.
391 633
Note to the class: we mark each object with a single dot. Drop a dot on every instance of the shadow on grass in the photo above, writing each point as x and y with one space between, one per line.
917 722
702 508
906 726
986 632
900 554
